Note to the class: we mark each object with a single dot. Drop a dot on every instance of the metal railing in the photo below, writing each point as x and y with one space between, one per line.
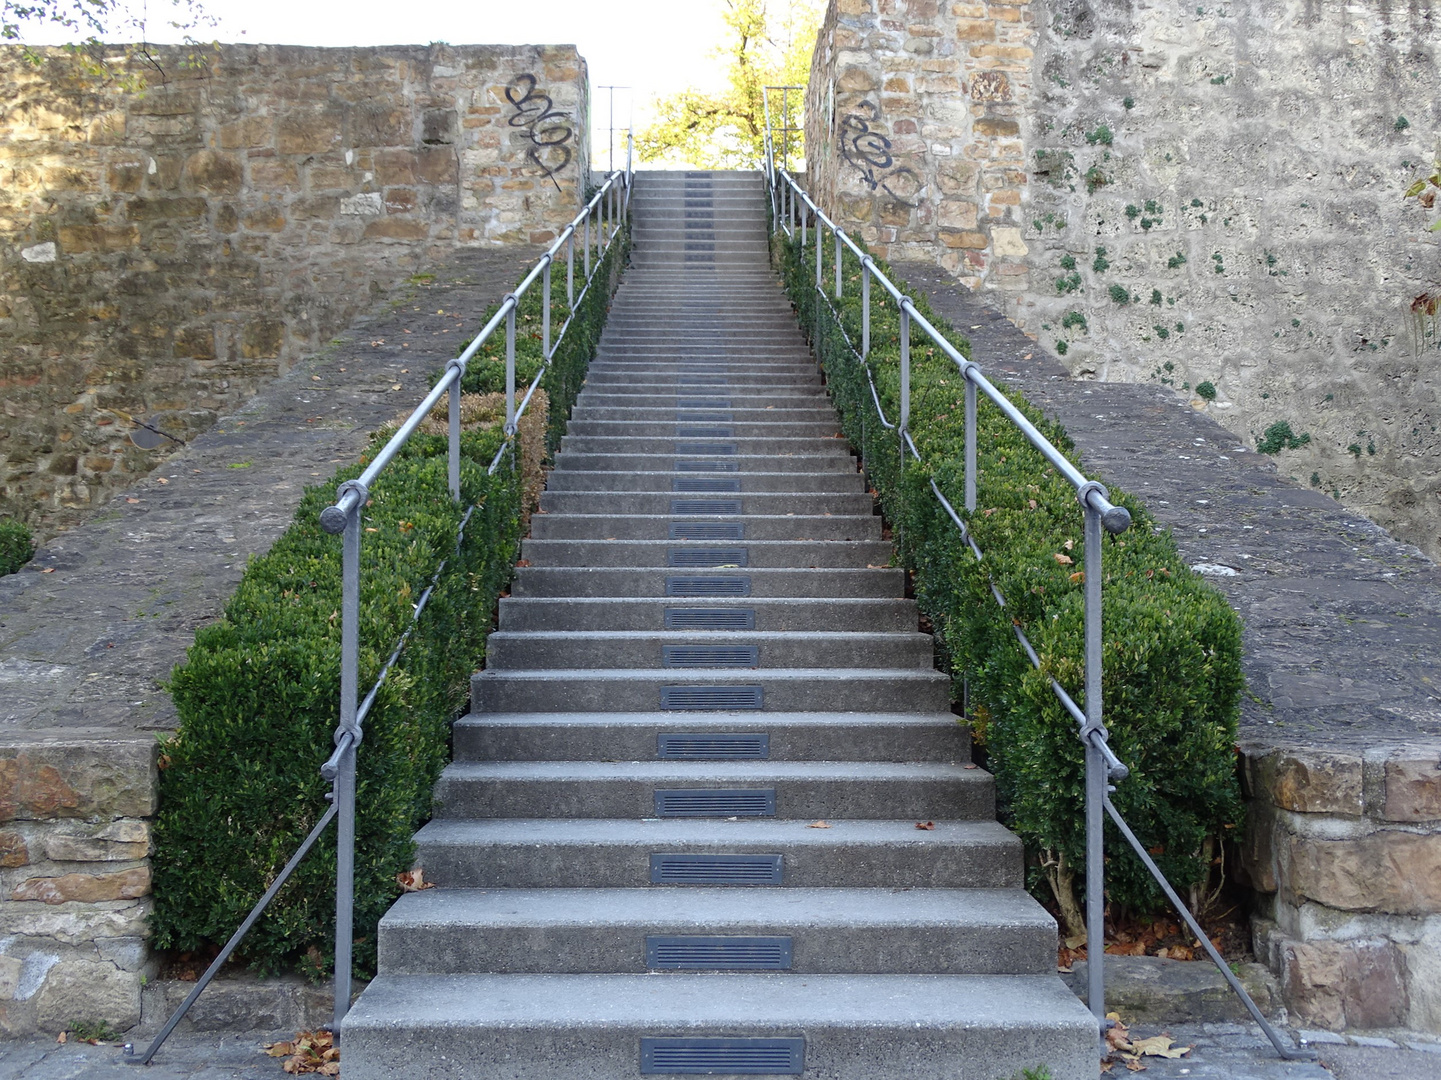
792 210
604 217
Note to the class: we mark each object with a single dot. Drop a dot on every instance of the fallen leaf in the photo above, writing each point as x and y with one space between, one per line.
132 500
1134 1065
1064 560
413 880
1078 577
970 766
926 825
161 480
819 825
1129 948
48 570
64 1036
396 386
1158 1046
280 1049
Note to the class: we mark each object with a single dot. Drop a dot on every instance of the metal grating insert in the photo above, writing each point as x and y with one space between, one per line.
715 802
718 484
710 698
704 433
707 466
735 1057
707 586
705 506
710 619
710 656
697 952
703 403
707 530
691 246
714 448
713 746
708 556
687 868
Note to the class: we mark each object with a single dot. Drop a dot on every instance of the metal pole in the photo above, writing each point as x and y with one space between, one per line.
905 381
344 787
865 311
1095 777
510 367
454 447
545 312
838 264
786 127
820 249
970 445
610 150
570 271
587 244
803 227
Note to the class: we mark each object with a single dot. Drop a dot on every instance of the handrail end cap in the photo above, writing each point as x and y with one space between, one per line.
333 520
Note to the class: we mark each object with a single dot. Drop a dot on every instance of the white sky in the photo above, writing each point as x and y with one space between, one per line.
654 46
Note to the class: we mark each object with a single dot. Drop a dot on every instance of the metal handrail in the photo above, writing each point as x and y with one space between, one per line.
791 207
610 209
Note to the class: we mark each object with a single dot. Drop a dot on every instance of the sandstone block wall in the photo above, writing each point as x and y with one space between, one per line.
74 880
1190 194
1344 849
165 250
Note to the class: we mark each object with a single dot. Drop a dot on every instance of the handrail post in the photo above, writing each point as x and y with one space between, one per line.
820 249
344 786
803 226
570 271
970 444
865 309
545 311
905 416
586 245
510 366
838 263
1095 776
453 432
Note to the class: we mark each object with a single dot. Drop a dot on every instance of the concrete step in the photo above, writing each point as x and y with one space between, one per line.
766 614
764 690
709 481
724 462
759 502
821 931
708 409
758 396
852 1027
561 853
704 424
617 378
661 526
796 736
678 650
810 554
808 790
632 581
698 445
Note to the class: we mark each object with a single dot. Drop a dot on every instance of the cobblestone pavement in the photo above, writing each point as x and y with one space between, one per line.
1220 1052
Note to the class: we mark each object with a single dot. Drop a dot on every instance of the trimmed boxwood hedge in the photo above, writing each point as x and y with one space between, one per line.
16 545
257 695
1172 648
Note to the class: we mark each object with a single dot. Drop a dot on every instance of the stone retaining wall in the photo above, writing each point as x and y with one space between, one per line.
1170 192
166 250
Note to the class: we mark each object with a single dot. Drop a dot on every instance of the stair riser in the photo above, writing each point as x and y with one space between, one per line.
673 427
519 653
657 527
690 482
861 691
567 613
930 950
671 445
808 418
765 502
740 399
615 380
477 738
758 554
620 581
745 463
607 866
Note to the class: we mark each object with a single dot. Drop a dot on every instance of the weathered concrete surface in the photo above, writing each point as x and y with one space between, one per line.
1341 722
166 251
91 628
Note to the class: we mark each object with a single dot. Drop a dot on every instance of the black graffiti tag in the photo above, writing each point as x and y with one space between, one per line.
547 130
869 153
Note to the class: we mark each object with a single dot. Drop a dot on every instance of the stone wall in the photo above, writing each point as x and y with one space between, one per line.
1190 194
165 250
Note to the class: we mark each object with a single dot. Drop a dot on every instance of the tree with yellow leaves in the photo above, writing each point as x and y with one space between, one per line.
769 43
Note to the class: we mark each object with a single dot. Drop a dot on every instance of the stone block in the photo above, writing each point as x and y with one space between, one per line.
1386 871
1307 781
125 177
214 172
247 133
77 239
1413 788
75 925
262 339
272 174
165 209
13 850
995 125
120 841
975 30
856 79
84 778
959 214
76 990
87 888
964 238
397 229
1345 984
308 132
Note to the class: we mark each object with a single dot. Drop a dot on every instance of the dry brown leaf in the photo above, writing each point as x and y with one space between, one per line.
413 880
926 825
64 1036
971 765
1064 559
819 825
1134 1065
1078 577
1069 545
280 1049
1158 1046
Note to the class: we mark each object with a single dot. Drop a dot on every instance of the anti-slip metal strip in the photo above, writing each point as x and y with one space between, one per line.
730 485
707 556
737 1057
719 507
710 656
713 746
703 952
715 802
708 585
707 530
697 868
710 618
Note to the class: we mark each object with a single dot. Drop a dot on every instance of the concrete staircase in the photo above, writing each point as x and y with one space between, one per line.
680 834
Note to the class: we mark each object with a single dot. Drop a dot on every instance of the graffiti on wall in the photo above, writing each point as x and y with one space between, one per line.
546 129
869 153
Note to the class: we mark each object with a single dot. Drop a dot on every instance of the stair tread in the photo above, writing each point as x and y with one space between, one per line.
746 835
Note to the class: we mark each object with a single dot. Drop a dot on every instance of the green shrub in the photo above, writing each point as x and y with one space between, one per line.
1279 436
257 695
16 545
1206 391
1172 644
